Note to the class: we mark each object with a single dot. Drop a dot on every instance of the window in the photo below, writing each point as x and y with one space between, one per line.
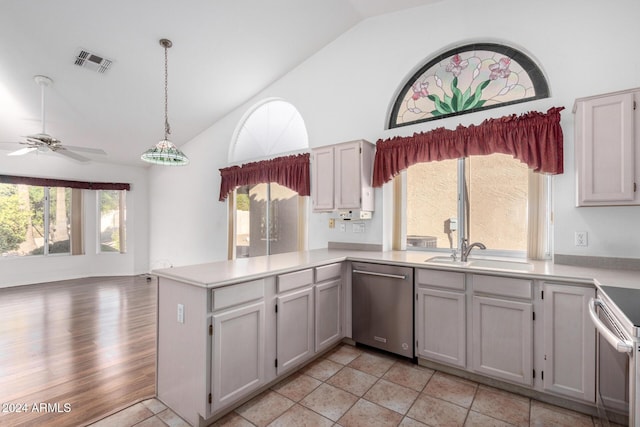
467 79
112 213
35 220
265 215
483 198
267 218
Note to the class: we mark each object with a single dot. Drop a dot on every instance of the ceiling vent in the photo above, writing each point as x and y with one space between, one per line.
92 61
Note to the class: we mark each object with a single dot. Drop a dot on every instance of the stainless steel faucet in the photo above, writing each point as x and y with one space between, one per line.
466 248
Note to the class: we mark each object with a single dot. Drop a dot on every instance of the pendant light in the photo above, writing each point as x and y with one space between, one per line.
164 152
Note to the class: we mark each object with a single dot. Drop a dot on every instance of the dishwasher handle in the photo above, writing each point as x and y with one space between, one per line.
622 346
373 273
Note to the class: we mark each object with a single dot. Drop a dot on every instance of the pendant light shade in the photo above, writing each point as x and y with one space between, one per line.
165 152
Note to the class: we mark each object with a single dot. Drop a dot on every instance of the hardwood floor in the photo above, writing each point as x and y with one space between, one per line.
74 351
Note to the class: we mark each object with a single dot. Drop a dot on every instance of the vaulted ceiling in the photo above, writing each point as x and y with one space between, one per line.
224 52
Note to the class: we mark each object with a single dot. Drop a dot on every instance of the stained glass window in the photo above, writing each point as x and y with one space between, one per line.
467 79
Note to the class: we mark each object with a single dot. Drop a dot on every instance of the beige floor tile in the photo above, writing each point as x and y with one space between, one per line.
172 419
543 414
322 369
409 375
299 416
127 417
436 412
353 381
392 396
232 420
344 354
154 421
504 406
372 364
265 408
451 388
329 401
410 422
297 386
154 405
476 419
367 414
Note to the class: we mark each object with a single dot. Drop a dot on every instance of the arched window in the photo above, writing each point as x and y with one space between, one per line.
270 128
267 218
466 79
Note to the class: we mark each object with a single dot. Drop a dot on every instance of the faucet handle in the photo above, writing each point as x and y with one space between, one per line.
454 255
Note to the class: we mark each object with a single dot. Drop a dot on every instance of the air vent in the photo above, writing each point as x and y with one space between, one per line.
92 61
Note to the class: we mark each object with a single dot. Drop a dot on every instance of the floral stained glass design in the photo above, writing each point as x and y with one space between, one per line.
467 79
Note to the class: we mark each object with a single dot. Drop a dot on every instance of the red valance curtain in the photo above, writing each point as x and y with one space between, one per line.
290 171
47 182
533 138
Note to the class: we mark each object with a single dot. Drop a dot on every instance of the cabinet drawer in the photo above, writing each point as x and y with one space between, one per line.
237 294
441 279
503 286
297 279
327 272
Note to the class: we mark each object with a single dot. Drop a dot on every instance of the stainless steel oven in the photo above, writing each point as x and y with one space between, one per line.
616 314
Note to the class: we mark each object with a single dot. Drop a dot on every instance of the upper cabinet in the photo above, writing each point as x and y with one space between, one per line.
607 149
341 177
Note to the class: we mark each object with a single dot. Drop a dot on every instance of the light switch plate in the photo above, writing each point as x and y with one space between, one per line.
180 313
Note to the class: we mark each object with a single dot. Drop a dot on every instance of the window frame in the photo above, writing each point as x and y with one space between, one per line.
400 217
534 72
122 223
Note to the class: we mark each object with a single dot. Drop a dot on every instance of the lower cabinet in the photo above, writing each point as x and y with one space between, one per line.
328 314
569 341
294 328
440 312
238 353
503 339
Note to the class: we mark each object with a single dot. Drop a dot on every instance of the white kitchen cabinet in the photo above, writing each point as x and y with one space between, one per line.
328 312
607 149
441 316
502 341
294 316
238 353
569 341
341 177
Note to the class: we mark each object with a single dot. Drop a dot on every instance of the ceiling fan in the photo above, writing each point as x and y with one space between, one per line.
43 142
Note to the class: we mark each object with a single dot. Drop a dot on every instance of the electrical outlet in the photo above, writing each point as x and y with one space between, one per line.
581 238
357 227
332 223
343 227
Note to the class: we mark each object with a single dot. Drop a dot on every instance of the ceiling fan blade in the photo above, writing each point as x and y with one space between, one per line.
71 154
84 149
22 151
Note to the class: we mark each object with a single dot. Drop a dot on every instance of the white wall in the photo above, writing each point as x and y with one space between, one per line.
344 92
36 269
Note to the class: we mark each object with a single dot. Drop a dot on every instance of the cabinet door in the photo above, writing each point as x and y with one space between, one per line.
322 185
238 353
348 174
294 328
441 325
328 309
502 339
569 341
605 149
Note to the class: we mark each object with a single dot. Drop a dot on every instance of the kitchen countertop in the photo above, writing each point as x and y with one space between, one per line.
222 273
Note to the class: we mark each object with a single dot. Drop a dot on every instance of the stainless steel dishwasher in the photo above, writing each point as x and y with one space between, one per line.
382 307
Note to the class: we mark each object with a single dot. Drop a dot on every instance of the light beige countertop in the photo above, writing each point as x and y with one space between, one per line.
222 273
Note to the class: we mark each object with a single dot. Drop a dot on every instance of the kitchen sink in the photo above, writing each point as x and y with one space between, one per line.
488 263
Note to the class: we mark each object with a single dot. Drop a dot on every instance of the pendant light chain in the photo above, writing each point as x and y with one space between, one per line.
167 128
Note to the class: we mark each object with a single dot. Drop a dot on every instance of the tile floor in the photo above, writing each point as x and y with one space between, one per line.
352 387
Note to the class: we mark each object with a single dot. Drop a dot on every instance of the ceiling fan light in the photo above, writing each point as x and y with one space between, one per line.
165 153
